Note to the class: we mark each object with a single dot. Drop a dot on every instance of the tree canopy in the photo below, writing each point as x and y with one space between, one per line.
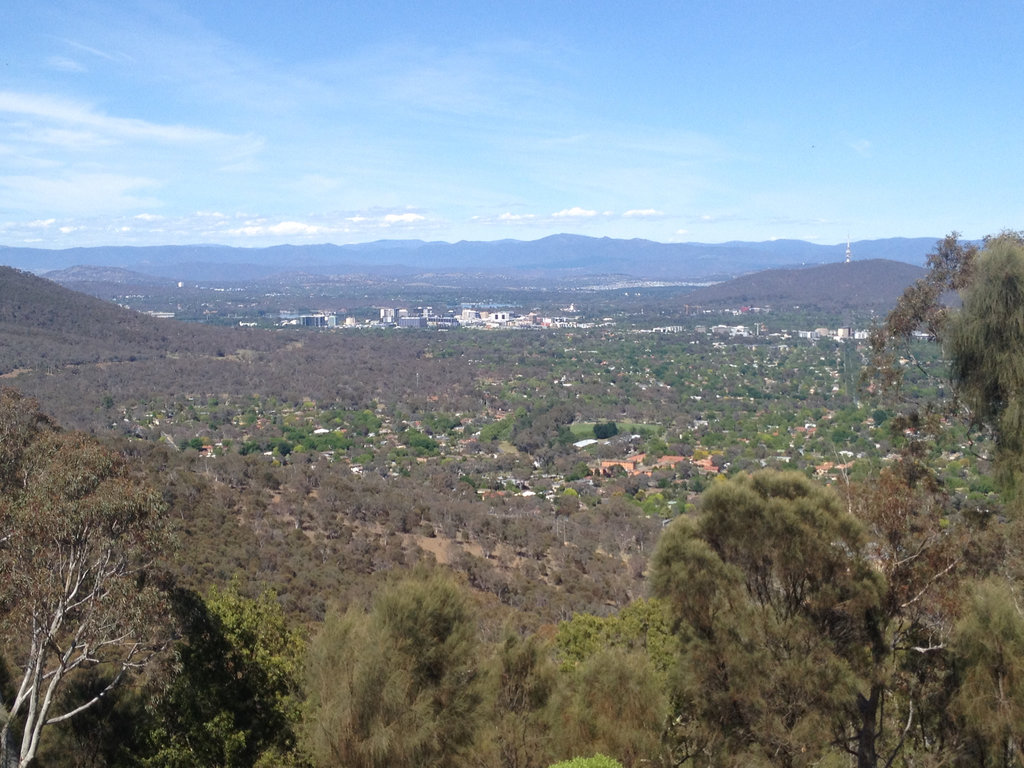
401 685
230 696
985 344
770 590
78 535
983 340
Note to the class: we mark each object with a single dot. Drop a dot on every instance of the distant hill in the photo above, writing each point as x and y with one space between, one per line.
45 324
562 257
873 283
100 274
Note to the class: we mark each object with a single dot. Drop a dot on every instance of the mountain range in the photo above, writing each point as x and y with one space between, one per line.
560 257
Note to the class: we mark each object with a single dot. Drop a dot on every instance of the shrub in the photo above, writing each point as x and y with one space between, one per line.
597 761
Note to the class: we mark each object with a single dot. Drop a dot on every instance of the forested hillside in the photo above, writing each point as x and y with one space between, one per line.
43 325
698 544
870 284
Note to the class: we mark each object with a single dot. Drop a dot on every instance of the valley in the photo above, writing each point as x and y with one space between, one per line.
312 469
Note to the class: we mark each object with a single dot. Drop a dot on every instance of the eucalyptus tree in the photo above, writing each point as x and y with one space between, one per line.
230 695
78 537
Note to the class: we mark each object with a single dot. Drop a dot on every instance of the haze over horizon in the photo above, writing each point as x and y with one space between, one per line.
180 122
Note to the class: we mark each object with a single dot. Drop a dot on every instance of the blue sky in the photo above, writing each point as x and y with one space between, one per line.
256 123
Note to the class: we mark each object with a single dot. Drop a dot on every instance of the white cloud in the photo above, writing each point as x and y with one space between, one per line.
294 228
643 213
253 228
403 218
80 114
316 184
63 138
148 217
41 223
96 52
76 193
64 64
574 213
516 217
250 231
862 147
248 165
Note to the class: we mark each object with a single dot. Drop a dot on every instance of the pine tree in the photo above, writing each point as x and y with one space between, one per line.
771 593
985 343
